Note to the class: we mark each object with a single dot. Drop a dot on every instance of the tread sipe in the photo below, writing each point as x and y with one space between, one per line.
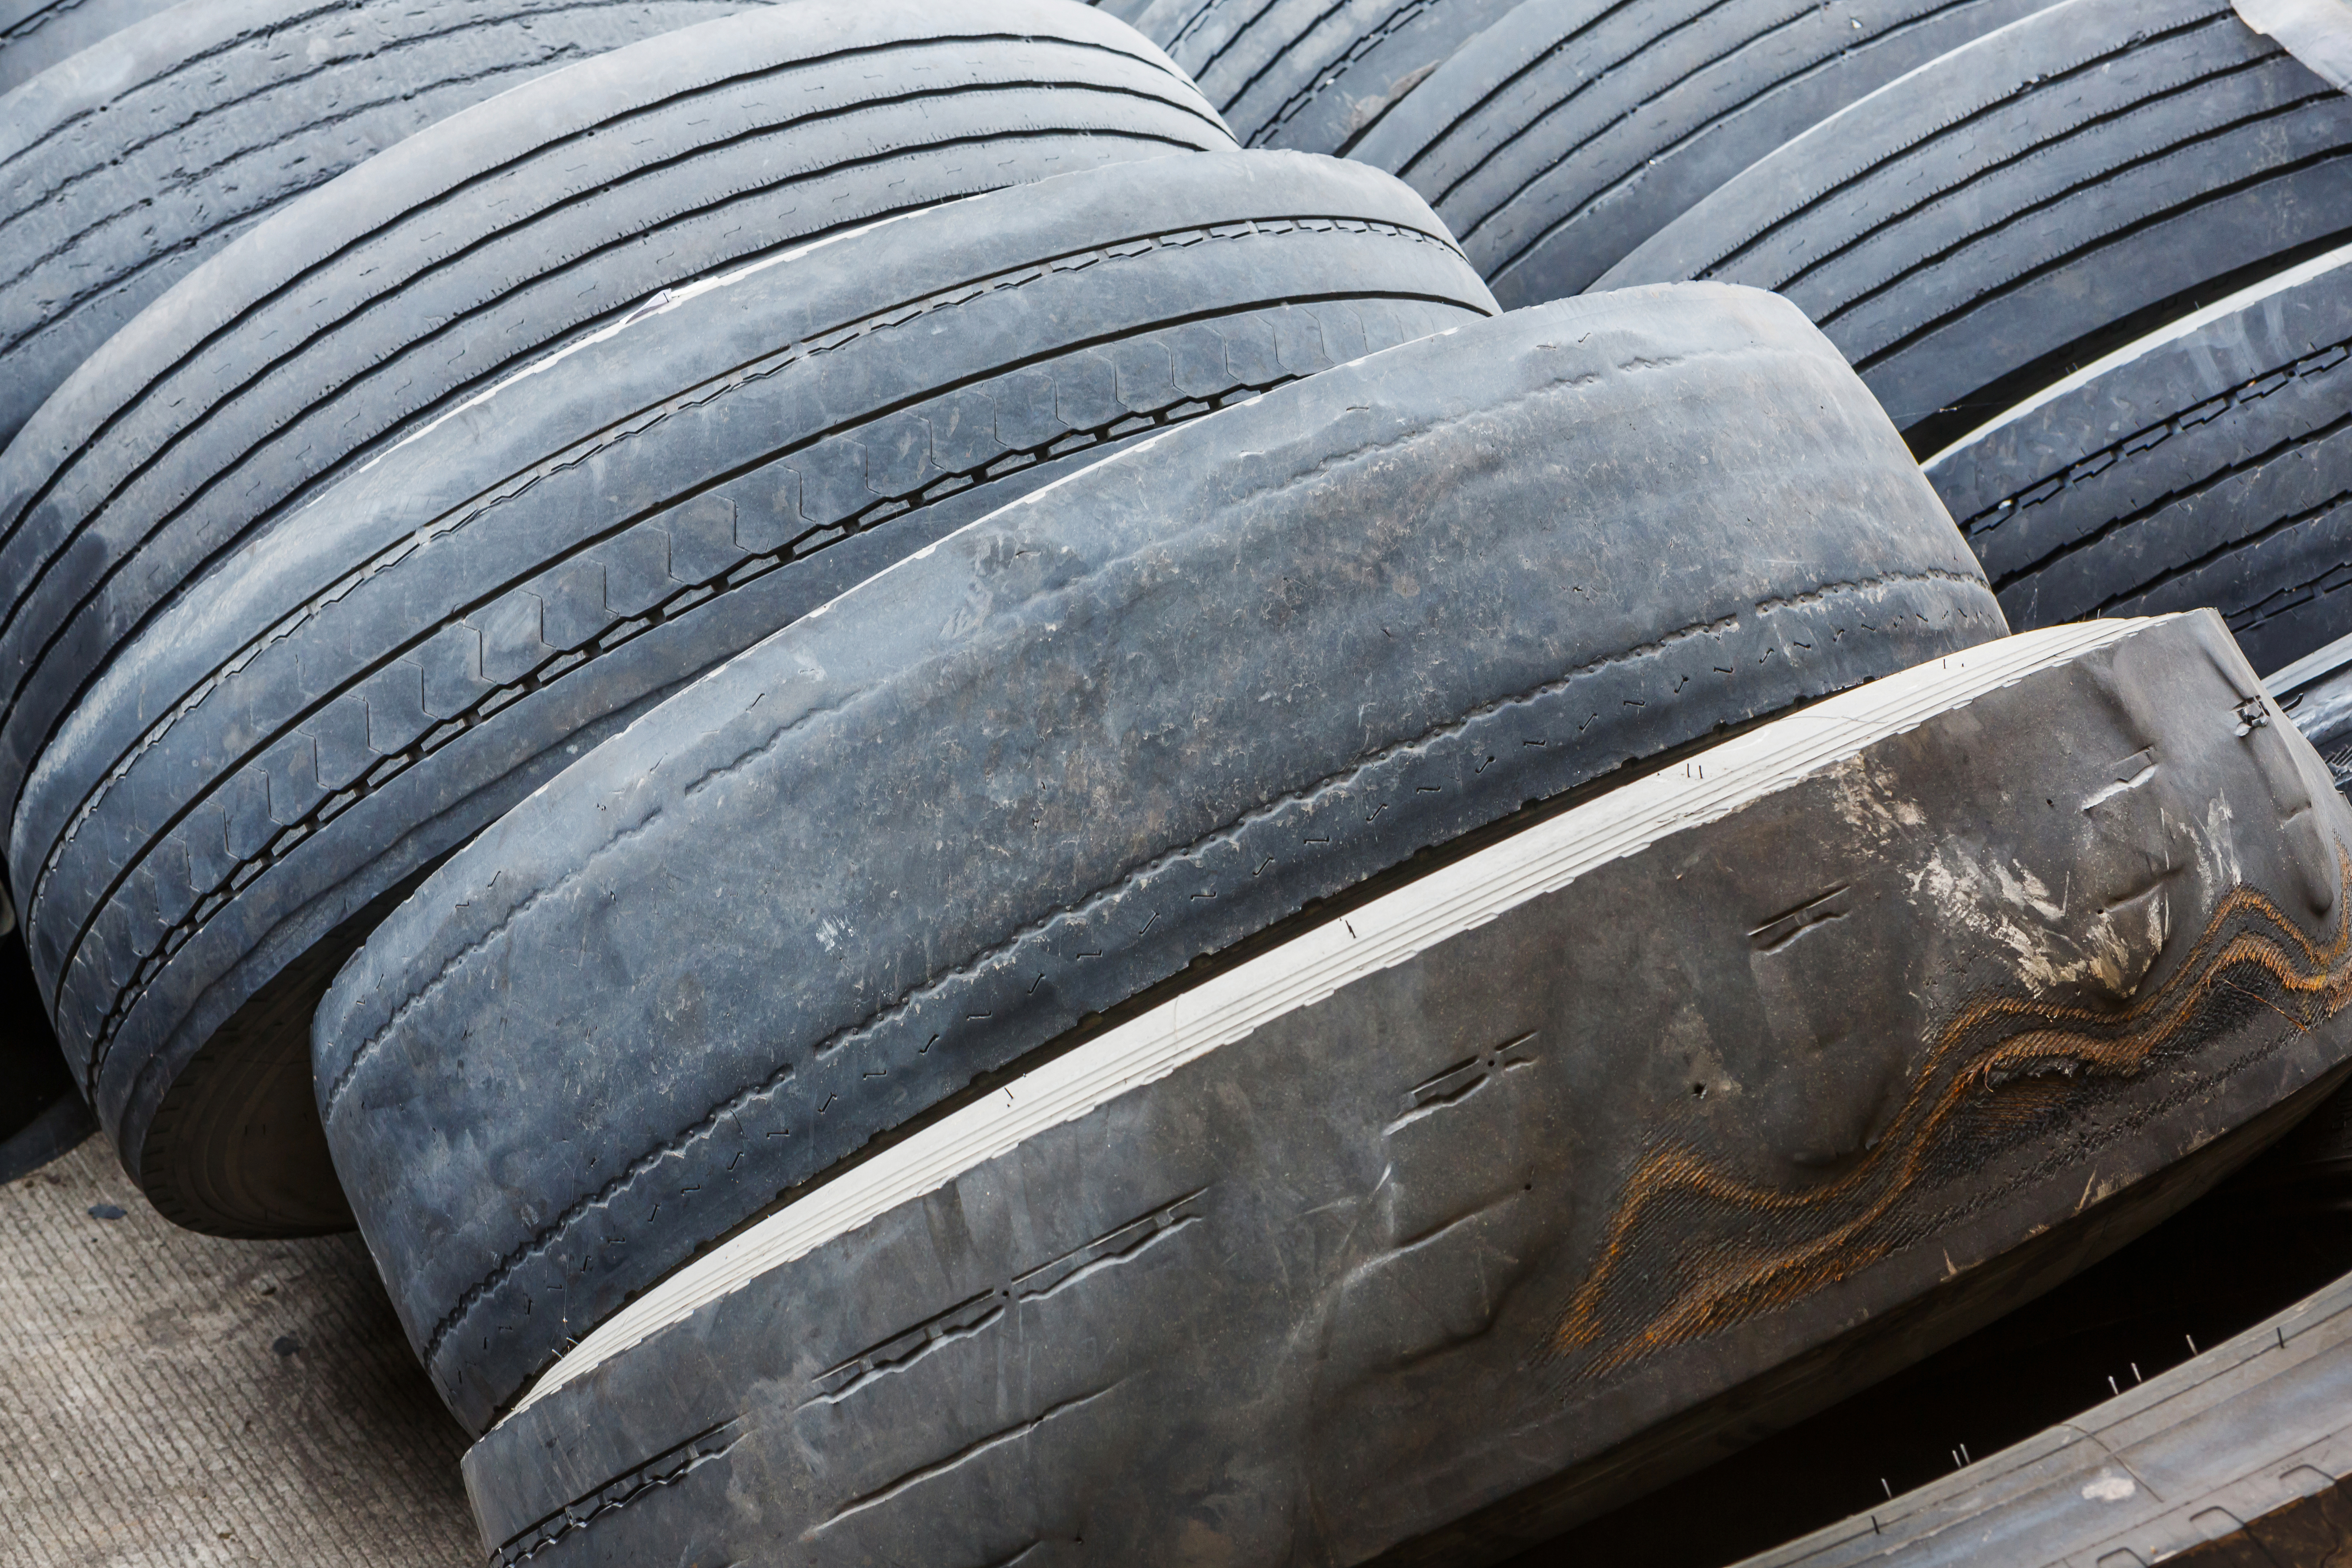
2315 692
2238 1457
1310 75
37 34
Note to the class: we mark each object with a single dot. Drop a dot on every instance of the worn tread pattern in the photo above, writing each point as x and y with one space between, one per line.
2204 466
1311 75
430 640
1571 131
1345 697
2020 205
1407 1239
128 164
318 342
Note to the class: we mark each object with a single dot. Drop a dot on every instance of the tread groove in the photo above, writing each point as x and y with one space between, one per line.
1892 155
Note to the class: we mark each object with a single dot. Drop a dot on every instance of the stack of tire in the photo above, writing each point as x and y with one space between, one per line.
1371 974
384 301
979 830
2095 265
138 138
1553 136
2087 254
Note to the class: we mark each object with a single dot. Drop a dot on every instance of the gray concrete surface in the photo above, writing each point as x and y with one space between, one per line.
168 1398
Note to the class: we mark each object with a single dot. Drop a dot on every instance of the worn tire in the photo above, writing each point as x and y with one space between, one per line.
381 302
1306 74
2024 204
1441 1225
2209 463
37 34
125 165
2238 1457
364 685
1570 131
1164 706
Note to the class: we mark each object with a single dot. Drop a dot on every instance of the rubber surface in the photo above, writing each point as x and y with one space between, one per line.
2315 692
1164 705
320 340
2237 1458
1310 75
1571 131
1417 1236
262 772
2310 30
125 165
2209 464
2012 210
37 34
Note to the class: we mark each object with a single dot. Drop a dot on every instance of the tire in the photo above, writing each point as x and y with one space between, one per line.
1236 700
37 34
2237 1456
1570 131
2020 206
397 293
2315 692
2209 463
1305 74
386 677
1495 1223
130 162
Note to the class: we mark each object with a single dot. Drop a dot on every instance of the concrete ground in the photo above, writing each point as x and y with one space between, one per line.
173 1399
